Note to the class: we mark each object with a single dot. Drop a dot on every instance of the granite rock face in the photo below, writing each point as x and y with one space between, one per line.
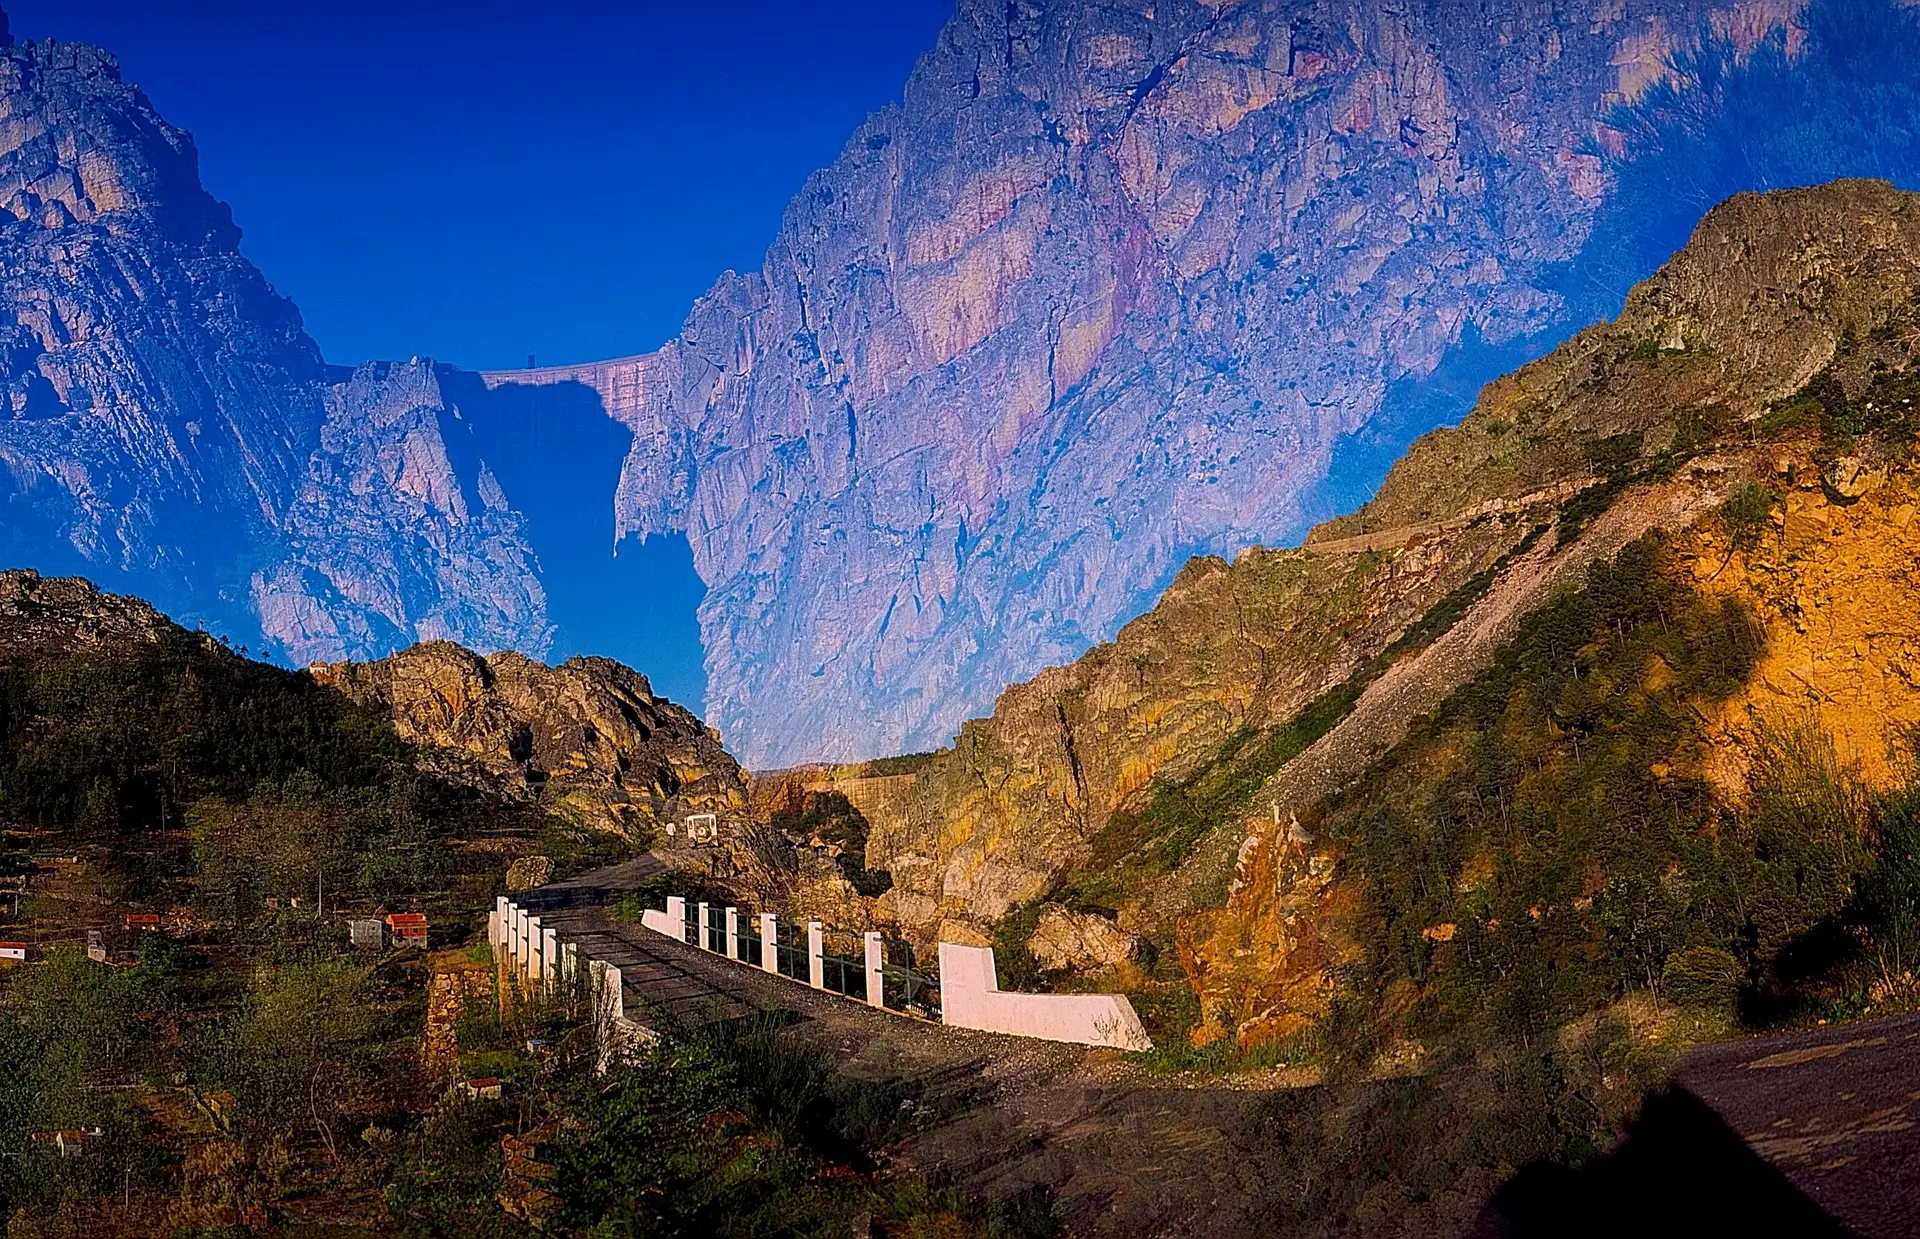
400 532
1180 776
1080 941
160 402
1104 290
167 426
588 738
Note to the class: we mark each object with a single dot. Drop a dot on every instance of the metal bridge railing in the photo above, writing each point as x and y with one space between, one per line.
904 987
835 961
845 976
790 954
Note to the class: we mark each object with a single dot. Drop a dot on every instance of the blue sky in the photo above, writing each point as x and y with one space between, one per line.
480 182
483 180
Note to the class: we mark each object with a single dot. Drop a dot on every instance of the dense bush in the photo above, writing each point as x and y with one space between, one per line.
1701 976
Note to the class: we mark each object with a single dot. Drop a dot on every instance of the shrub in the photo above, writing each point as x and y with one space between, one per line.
1701 976
1747 514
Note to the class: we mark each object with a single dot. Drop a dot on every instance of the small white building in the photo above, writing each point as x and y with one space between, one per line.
367 933
13 952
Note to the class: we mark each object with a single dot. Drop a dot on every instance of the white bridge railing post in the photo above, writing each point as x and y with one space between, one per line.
816 951
769 942
876 977
733 933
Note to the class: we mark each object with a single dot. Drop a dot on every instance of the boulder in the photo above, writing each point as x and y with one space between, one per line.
1065 940
528 872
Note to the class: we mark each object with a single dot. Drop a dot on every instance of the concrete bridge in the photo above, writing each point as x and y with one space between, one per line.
699 965
1827 1114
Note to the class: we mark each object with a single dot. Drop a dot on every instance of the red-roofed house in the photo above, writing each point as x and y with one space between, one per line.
142 923
408 928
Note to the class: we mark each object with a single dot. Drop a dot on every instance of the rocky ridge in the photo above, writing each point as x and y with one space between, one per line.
587 738
1102 781
63 613
1103 290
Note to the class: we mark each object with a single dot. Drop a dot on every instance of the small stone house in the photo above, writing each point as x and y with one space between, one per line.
408 928
367 933
487 1088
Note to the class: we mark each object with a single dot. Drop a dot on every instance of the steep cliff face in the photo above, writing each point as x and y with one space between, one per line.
162 402
587 738
400 531
1109 287
1104 290
166 424
1166 777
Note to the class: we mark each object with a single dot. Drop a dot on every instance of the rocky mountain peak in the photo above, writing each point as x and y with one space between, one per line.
84 146
1109 287
60 613
167 425
588 737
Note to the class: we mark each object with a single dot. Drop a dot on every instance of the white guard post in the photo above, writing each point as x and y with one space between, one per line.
876 978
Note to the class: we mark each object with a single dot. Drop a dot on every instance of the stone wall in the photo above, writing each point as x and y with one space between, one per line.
456 984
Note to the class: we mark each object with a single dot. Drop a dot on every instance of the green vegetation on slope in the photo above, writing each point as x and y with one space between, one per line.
128 735
1155 839
737 1134
1542 845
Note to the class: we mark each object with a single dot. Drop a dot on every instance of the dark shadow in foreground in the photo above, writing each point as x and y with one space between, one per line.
1680 1171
